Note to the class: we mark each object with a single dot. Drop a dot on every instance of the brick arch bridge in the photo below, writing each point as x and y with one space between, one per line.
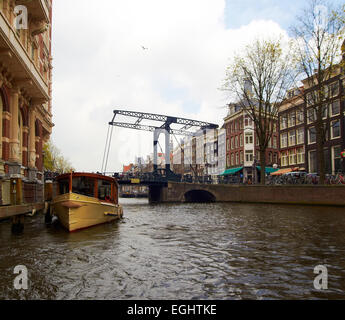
186 192
294 194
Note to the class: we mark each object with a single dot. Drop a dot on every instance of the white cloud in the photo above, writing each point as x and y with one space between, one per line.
99 66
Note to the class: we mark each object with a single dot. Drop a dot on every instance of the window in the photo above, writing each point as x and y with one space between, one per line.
284 159
241 157
324 112
228 161
246 121
237 158
335 129
232 159
300 155
283 140
335 108
292 157
310 99
249 155
300 135
270 157
249 138
84 186
325 93
104 190
241 140
312 162
275 142
236 142
292 119
300 117
311 115
64 186
312 135
227 144
292 138
336 159
283 122
334 89
275 158
232 143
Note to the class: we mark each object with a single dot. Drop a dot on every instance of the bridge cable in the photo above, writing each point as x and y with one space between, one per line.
160 147
110 139
105 149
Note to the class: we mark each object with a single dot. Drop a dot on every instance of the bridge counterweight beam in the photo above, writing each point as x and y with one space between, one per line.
156 134
167 150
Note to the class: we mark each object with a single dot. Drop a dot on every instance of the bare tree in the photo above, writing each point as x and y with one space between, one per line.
258 80
318 35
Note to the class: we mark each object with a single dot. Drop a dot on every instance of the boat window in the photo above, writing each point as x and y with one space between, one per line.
104 190
64 186
83 186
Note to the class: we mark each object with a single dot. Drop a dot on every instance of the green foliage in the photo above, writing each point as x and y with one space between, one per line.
54 161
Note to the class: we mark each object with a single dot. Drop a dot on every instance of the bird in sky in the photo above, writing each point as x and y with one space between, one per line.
144 48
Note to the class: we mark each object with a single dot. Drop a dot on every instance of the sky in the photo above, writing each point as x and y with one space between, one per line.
100 65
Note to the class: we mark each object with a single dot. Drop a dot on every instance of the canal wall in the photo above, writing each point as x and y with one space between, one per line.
333 195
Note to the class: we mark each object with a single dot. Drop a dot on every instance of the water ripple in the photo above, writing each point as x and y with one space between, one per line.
186 251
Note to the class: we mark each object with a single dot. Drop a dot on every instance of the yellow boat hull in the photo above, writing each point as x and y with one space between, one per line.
77 212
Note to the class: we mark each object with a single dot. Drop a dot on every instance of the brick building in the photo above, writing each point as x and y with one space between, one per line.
292 132
25 89
297 127
242 147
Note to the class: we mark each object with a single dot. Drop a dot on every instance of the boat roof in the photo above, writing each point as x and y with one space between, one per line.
86 174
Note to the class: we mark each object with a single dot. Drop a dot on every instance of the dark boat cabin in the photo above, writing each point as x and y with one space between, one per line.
89 184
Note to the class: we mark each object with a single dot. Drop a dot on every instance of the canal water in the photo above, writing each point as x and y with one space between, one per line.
181 251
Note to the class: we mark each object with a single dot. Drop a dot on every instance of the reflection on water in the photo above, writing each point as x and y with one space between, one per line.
182 251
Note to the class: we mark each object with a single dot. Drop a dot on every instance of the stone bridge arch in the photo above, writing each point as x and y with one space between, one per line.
199 196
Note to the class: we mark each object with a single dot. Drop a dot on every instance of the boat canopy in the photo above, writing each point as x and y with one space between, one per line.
89 184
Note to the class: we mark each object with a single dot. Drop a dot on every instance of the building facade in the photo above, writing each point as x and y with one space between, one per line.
221 151
242 147
297 119
292 132
25 88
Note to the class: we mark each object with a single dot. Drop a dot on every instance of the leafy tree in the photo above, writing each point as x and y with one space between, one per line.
54 161
258 79
318 35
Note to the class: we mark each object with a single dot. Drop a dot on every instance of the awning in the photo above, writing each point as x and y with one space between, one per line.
268 169
281 171
231 171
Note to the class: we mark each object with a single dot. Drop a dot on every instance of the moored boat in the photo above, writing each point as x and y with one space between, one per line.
86 199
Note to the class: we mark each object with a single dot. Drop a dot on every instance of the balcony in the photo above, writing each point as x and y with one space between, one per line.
18 63
38 9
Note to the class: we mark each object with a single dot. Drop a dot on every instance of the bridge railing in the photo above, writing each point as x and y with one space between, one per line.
147 177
